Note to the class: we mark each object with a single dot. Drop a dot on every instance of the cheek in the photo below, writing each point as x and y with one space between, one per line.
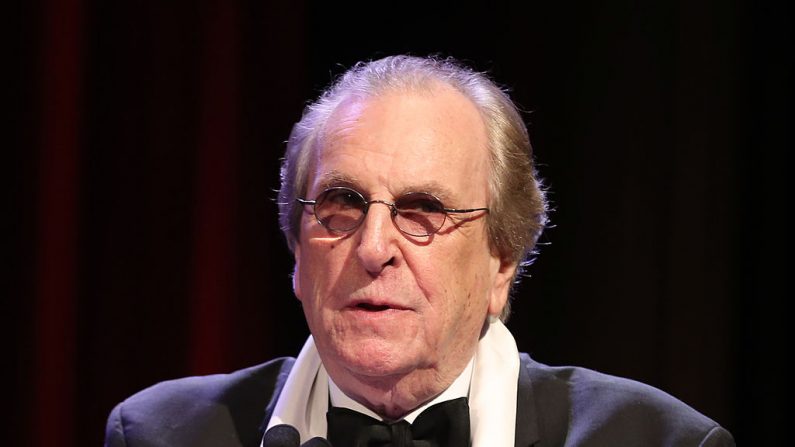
470 262
473 281
457 287
318 267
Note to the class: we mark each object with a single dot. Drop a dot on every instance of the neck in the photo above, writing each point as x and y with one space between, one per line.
394 397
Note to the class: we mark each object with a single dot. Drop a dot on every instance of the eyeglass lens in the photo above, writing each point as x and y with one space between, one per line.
343 210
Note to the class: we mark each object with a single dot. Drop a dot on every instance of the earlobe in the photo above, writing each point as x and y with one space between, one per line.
501 286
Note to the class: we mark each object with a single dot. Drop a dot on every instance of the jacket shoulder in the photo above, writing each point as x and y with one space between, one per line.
220 409
585 407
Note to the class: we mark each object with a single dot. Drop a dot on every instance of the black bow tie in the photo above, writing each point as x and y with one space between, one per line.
445 424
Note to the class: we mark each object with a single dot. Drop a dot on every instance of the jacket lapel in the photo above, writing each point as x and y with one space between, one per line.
526 414
281 379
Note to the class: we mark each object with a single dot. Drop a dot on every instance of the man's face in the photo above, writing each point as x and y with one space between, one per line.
380 303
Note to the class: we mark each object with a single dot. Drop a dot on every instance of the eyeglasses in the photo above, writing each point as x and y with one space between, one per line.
418 214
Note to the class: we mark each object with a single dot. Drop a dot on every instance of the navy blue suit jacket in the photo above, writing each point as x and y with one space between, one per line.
556 406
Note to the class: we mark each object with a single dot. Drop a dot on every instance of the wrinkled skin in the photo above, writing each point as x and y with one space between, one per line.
396 318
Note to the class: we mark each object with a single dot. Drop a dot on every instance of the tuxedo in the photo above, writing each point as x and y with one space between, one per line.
556 406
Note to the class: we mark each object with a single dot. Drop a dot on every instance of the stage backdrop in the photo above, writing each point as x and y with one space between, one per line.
146 139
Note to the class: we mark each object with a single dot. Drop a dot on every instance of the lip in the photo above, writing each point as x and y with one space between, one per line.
374 305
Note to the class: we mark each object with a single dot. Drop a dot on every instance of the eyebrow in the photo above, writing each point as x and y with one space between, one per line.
336 178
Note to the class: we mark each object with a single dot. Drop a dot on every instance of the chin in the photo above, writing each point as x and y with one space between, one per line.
377 358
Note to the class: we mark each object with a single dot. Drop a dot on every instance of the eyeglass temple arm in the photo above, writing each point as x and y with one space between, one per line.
469 210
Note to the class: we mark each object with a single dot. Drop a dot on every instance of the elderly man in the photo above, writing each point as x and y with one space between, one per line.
410 200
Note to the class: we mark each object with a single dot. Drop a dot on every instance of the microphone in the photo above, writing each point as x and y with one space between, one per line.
284 435
281 435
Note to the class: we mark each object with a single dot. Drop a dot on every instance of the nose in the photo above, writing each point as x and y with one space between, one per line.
378 238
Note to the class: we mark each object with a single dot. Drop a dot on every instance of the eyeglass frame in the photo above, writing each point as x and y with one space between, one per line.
393 210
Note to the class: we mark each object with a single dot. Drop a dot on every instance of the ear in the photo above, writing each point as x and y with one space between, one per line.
297 271
501 285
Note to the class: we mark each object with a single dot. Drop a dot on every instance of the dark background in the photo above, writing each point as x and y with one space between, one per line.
146 139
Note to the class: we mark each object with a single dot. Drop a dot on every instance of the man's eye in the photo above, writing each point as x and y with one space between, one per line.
343 198
421 204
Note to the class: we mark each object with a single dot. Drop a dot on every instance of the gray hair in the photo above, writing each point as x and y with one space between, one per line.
517 205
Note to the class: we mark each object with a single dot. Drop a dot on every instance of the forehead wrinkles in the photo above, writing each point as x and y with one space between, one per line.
348 113
341 122
344 129
347 123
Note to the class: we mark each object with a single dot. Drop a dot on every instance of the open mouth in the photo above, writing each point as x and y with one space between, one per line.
372 307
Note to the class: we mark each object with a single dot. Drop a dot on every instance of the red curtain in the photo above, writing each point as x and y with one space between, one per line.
147 267
58 220
214 269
